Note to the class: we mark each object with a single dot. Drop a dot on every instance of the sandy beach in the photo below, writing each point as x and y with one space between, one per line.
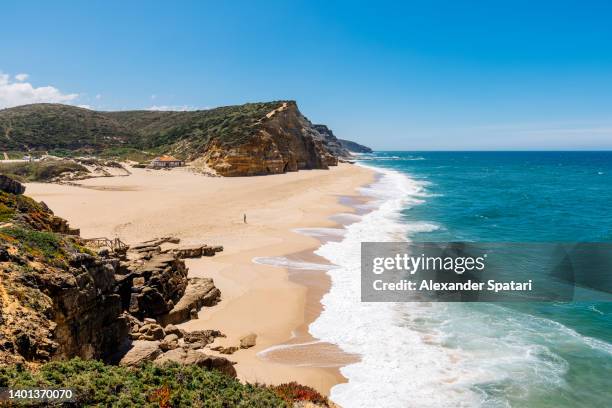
256 298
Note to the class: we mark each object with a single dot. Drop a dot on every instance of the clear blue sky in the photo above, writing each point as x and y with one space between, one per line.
420 75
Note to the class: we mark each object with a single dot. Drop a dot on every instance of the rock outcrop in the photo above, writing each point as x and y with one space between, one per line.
152 289
248 341
57 298
242 140
284 141
181 349
354 147
331 142
200 292
60 299
8 185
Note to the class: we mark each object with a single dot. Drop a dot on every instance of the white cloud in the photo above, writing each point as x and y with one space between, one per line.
85 106
15 93
171 108
98 96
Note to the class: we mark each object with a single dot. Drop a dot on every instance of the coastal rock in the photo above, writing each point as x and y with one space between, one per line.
170 342
140 352
225 350
248 341
200 292
194 251
354 147
8 185
331 143
172 329
152 287
204 337
284 141
51 309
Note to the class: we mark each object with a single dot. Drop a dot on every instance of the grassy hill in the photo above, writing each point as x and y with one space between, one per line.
52 126
62 127
232 125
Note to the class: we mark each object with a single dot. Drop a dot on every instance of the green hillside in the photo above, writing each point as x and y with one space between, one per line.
53 126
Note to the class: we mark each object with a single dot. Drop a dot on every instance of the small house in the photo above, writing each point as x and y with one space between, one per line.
166 161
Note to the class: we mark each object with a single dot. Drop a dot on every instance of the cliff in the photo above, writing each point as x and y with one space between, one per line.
354 147
282 140
59 299
331 142
250 139
56 297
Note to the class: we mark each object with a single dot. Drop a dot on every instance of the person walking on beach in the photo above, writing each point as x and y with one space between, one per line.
244 218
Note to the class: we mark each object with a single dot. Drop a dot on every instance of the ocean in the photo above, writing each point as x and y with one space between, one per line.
473 354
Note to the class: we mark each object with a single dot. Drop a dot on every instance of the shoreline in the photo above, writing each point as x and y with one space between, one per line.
256 298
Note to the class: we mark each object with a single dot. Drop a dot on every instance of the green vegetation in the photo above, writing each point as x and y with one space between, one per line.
40 170
128 153
63 129
46 243
51 126
100 385
6 213
293 391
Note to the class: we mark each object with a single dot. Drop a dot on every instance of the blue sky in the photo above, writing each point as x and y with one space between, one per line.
417 75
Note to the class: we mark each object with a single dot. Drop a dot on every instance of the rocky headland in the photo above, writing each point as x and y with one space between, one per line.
243 140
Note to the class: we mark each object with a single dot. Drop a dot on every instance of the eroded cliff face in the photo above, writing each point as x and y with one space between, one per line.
56 297
59 299
284 141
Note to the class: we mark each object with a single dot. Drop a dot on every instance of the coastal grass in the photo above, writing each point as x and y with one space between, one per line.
47 244
128 153
42 171
173 385
68 130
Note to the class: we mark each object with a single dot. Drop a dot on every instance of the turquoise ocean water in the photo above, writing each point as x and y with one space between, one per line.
519 355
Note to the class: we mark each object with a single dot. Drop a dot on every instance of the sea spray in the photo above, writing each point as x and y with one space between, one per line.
398 365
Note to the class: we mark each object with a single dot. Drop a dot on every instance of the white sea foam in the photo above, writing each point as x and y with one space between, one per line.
399 367
427 354
430 354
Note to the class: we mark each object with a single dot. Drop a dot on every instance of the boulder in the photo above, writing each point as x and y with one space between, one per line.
9 185
202 336
225 350
140 352
170 342
248 340
172 329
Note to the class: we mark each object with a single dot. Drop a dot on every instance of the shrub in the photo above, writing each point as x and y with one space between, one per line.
6 214
293 391
47 243
173 385
40 171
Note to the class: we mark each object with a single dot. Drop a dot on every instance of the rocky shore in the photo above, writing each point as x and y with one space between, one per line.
63 296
